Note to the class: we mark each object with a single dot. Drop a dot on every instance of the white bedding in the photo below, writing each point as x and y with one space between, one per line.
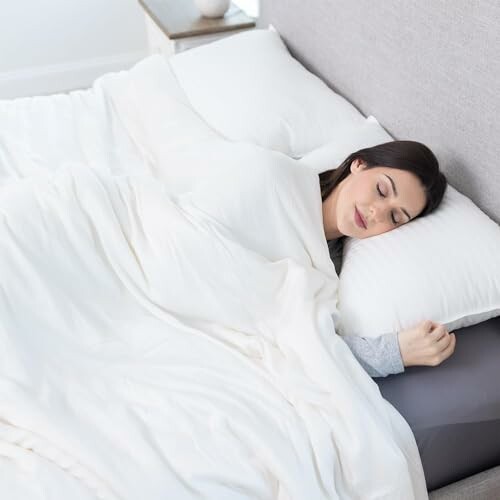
172 335
136 121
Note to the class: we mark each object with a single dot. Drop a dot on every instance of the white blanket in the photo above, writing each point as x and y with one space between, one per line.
136 121
173 338
157 346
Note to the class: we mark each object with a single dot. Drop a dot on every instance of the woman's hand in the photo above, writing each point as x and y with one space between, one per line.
427 343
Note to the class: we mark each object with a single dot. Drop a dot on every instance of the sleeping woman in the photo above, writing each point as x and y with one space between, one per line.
373 191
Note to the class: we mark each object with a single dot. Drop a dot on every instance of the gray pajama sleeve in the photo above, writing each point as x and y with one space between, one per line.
379 356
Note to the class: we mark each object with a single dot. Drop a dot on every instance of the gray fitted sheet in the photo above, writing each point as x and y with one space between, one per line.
454 409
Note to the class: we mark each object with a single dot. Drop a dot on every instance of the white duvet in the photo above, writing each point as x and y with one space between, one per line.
172 335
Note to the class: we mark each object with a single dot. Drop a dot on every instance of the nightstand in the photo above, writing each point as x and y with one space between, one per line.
177 25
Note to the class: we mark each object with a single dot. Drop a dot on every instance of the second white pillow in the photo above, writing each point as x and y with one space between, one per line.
249 88
348 140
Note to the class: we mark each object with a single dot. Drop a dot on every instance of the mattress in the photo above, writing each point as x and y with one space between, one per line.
454 409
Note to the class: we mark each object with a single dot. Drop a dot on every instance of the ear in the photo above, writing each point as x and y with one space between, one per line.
357 165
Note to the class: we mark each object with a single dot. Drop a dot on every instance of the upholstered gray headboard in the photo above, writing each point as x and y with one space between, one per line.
428 70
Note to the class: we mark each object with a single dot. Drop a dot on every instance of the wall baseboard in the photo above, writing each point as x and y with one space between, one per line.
56 78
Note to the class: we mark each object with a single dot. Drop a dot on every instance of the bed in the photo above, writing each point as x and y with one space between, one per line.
426 71
117 382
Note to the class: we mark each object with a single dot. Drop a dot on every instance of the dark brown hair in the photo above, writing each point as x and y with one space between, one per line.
412 156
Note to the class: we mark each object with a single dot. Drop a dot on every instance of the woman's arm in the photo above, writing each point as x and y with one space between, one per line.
426 344
379 356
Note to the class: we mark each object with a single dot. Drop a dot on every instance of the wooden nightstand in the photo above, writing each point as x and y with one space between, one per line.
177 25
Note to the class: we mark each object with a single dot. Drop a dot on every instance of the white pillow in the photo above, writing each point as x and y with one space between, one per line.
350 139
444 267
249 88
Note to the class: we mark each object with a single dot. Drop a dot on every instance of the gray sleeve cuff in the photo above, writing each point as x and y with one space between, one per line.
379 356
394 353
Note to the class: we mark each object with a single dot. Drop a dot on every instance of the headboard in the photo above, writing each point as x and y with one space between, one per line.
428 70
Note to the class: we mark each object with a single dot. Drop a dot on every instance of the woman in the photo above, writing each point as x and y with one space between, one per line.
373 191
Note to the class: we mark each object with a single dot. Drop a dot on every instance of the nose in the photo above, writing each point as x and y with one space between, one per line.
378 213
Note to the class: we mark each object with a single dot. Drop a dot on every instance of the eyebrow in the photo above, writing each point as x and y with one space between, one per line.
396 193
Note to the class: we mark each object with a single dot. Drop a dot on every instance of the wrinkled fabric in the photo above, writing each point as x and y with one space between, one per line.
158 345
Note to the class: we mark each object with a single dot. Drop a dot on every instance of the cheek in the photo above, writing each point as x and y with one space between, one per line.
343 208
345 219
359 194
356 194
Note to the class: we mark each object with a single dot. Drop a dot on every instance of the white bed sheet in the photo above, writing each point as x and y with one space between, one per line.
169 332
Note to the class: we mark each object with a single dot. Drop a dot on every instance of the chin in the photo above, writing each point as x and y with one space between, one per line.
352 232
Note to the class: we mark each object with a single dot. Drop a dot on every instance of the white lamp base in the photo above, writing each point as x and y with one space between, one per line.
212 8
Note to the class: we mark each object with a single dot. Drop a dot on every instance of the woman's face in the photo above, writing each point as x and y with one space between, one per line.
385 198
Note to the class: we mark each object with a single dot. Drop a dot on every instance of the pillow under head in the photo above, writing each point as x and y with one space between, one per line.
444 267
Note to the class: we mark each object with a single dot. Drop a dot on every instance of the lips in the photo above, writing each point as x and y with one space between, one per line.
359 219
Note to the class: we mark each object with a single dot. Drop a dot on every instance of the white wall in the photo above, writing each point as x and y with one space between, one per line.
49 46
251 7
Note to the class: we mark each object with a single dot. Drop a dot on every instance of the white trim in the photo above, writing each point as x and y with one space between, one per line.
62 77
250 7
190 42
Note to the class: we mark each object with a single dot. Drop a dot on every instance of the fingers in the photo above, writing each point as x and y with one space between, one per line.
444 341
441 342
438 332
428 325
427 344
446 346
450 348
432 328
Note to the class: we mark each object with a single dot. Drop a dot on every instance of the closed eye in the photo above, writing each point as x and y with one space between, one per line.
392 213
